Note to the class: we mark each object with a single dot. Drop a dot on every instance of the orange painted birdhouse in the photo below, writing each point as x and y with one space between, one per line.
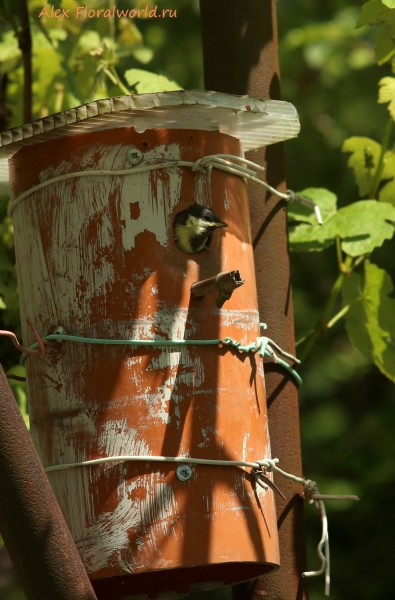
96 192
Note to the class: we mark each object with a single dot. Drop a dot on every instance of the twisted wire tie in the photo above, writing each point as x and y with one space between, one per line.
38 348
222 162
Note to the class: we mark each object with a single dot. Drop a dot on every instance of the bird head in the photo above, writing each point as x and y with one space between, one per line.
193 228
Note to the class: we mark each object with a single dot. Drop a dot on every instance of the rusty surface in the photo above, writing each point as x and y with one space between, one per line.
240 53
31 522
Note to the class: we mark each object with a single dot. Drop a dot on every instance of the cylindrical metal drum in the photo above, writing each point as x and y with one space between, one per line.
96 255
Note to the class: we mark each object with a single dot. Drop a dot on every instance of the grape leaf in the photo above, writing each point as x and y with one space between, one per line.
364 226
387 93
363 161
387 191
384 48
146 82
352 292
375 13
370 320
309 236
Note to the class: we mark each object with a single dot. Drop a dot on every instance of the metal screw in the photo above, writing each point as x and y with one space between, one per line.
134 155
184 472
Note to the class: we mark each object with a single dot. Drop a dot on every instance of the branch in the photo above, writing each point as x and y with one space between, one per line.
25 45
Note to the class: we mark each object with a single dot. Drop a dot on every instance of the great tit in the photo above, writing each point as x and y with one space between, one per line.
193 228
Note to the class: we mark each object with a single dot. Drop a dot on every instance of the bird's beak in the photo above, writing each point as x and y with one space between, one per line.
220 224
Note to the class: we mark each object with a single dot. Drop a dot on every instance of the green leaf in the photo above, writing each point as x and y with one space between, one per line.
389 3
375 13
9 53
384 48
145 82
364 226
363 161
143 55
309 236
352 294
370 320
387 191
325 199
387 93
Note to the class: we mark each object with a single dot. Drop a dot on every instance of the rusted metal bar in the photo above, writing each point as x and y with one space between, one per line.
31 522
224 283
240 54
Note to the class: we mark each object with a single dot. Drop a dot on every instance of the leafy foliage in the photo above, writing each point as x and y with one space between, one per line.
370 319
361 226
77 60
144 82
347 406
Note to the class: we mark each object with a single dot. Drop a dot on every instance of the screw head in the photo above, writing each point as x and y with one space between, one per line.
184 472
134 155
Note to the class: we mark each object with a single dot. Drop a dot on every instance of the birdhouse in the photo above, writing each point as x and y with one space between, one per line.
131 246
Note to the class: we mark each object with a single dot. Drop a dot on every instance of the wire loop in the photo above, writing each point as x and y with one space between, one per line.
223 162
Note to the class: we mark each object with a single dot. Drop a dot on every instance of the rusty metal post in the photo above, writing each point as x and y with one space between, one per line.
240 54
31 522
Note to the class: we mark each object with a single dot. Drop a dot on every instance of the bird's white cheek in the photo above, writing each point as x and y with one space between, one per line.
194 224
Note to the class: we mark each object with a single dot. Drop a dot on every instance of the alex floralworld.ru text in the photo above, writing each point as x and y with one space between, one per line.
85 12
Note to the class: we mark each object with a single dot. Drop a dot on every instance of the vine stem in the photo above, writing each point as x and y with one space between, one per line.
117 80
322 324
380 164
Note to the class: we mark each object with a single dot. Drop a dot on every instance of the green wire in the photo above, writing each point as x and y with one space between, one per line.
227 342
74 338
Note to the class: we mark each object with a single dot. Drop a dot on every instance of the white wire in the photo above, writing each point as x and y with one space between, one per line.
223 162
270 464
322 549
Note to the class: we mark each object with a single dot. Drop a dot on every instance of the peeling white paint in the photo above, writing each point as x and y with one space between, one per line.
226 201
244 448
158 402
203 188
109 533
117 439
243 320
156 192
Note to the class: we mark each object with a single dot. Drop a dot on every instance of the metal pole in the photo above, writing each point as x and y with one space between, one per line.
240 55
31 522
